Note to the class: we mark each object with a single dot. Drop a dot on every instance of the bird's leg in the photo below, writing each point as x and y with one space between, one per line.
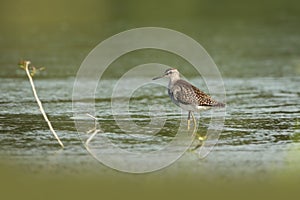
194 119
199 137
188 120
194 122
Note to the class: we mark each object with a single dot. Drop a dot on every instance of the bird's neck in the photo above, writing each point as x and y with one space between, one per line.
173 80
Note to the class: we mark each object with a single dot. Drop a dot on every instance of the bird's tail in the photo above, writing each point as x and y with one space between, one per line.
219 104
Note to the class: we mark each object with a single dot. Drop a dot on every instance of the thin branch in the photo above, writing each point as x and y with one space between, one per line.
40 103
94 130
91 137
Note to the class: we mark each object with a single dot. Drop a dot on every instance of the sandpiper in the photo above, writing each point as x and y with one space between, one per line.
187 96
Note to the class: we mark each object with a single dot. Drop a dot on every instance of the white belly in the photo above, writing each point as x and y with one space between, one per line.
193 108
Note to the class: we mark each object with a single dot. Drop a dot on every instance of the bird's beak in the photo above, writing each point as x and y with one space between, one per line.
155 78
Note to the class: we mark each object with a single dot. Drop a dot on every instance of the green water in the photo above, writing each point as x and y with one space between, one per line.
256 47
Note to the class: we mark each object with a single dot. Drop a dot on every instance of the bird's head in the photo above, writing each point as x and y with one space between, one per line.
170 73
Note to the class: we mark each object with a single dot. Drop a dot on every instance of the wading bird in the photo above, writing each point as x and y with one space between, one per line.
187 96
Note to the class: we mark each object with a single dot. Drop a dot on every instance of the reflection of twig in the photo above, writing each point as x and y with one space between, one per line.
94 130
40 103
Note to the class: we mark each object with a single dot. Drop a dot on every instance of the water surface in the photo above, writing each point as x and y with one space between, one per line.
257 51
260 128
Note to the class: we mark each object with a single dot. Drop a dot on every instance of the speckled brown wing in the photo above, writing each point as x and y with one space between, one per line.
204 99
186 93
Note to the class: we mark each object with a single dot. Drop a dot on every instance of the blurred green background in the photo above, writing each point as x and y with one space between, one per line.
245 38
